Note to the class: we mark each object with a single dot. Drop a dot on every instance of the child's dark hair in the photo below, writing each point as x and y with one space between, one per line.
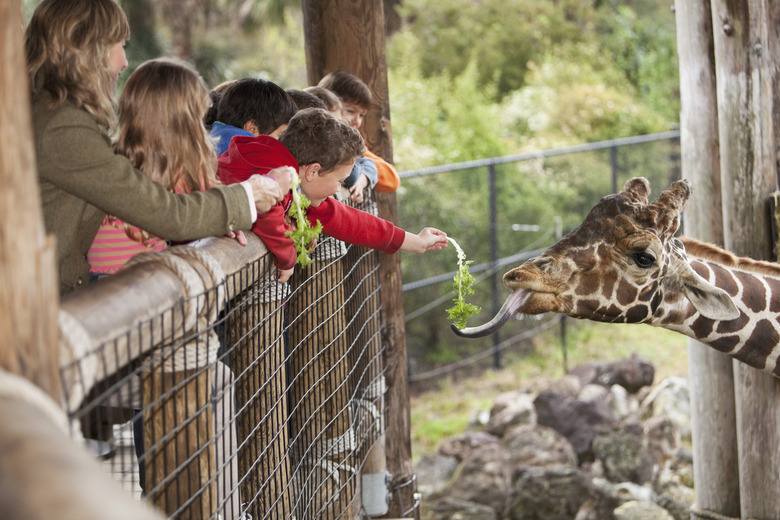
211 114
348 87
304 99
314 135
260 101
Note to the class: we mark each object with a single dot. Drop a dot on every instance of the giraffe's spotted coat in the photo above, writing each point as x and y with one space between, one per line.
623 265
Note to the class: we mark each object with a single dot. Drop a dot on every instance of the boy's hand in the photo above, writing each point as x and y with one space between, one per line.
429 239
282 275
356 191
433 239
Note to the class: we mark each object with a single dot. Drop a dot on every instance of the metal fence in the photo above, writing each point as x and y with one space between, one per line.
495 241
213 392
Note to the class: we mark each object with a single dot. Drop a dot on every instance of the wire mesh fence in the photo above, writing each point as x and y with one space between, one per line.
504 211
213 392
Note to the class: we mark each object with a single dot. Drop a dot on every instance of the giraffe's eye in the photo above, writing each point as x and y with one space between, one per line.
643 259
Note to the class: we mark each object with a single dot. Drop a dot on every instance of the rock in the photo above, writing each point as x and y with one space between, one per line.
518 411
635 510
677 500
434 472
482 477
670 398
625 454
505 400
592 392
460 445
451 508
555 494
631 373
578 421
536 445
567 385
663 438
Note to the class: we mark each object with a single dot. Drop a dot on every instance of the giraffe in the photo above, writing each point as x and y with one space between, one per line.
623 264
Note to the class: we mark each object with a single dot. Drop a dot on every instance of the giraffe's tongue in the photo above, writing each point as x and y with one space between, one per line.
513 303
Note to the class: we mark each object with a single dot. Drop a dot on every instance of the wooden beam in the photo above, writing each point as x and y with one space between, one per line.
28 280
745 36
711 380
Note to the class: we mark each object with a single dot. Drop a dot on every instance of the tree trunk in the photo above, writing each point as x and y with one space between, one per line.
713 414
349 35
746 59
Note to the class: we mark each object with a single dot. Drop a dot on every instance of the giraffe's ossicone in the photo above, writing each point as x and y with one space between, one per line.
623 264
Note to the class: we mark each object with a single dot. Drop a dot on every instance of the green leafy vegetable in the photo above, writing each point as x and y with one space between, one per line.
462 285
303 234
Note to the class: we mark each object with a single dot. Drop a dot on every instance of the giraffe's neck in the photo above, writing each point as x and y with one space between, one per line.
754 337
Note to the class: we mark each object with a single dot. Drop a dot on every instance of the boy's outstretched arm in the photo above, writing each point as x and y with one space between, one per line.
429 239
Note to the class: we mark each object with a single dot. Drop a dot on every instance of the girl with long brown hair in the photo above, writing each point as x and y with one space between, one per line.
162 133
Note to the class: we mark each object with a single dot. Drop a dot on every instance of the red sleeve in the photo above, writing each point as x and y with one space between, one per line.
270 227
356 227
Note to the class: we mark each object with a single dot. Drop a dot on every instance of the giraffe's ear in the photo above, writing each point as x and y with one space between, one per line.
711 302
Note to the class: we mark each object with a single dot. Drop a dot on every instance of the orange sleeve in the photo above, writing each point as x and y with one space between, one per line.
389 179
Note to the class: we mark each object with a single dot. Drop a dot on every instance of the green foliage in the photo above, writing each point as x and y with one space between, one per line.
462 285
303 234
502 37
439 119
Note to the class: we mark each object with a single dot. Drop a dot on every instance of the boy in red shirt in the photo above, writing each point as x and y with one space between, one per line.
323 150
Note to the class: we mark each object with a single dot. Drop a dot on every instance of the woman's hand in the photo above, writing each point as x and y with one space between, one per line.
270 189
238 235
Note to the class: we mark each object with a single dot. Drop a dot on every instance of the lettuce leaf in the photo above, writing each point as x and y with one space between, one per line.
462 285
302 234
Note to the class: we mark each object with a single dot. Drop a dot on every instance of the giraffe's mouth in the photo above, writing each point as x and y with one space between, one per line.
513 303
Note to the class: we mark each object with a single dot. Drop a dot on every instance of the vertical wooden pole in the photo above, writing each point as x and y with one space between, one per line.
348 35
713 413
29 299
746 57
258 362
319 386
178 425
368 375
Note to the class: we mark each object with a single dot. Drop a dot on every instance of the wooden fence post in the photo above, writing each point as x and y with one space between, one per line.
711 380
746 59
177 391
259 364
354 40
321 436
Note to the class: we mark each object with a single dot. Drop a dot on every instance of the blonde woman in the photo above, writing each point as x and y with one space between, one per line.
75 53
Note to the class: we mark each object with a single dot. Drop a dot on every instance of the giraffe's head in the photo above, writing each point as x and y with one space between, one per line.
617 266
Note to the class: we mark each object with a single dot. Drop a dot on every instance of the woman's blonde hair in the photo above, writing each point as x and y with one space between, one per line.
67 45
161 129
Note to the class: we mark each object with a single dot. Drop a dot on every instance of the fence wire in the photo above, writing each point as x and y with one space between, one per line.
245 399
